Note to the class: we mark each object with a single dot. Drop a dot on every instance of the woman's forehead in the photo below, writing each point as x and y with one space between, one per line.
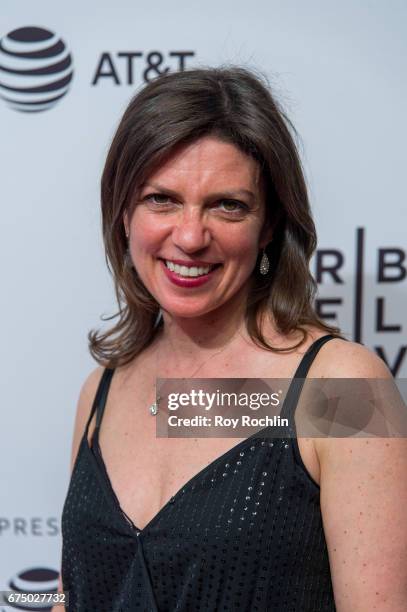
208 161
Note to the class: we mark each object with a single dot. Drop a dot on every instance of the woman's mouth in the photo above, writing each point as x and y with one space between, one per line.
188 275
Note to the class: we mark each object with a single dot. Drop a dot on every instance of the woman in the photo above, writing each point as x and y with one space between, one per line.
208 235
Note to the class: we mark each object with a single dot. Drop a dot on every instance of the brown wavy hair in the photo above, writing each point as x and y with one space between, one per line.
237 106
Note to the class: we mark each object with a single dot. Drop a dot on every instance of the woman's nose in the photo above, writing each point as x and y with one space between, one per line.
191 232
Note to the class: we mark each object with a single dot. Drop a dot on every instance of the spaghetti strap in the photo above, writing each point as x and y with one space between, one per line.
100 398
297 382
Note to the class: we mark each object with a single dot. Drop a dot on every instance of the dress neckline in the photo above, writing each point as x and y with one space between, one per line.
95 452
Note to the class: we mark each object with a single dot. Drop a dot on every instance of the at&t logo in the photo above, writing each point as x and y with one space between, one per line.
35 69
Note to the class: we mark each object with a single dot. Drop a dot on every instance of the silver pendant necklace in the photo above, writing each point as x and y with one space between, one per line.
155 405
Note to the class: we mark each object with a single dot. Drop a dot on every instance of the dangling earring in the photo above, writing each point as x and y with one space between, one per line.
264 263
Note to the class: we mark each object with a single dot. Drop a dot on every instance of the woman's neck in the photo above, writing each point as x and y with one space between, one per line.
186 339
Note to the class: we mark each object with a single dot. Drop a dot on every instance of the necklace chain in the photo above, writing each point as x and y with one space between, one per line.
154 406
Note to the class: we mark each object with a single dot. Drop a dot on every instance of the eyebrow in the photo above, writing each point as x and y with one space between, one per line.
228 193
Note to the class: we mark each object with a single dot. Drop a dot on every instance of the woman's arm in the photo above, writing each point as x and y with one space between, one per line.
85 401
364 502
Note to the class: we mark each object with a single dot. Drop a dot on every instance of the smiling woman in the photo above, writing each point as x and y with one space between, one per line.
191 215
208 235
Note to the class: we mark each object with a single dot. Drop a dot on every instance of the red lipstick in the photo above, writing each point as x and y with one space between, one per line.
192 281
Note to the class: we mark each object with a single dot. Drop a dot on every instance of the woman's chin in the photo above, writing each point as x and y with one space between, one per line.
187 313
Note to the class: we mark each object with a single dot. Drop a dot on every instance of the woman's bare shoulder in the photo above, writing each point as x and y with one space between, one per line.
88 391
340 358
85 401
344 359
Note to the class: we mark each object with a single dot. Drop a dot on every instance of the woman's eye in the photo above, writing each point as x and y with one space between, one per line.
157 198
233 206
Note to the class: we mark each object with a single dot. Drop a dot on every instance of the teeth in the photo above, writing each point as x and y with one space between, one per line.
187 271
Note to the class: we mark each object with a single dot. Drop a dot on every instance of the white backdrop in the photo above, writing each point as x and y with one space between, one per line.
339 71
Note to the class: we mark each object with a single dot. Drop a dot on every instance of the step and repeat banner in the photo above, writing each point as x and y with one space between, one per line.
66 75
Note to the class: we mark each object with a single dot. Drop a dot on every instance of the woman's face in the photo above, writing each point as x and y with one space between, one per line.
196 229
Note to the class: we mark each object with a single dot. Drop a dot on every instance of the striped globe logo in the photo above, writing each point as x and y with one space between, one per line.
34 580
35 69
